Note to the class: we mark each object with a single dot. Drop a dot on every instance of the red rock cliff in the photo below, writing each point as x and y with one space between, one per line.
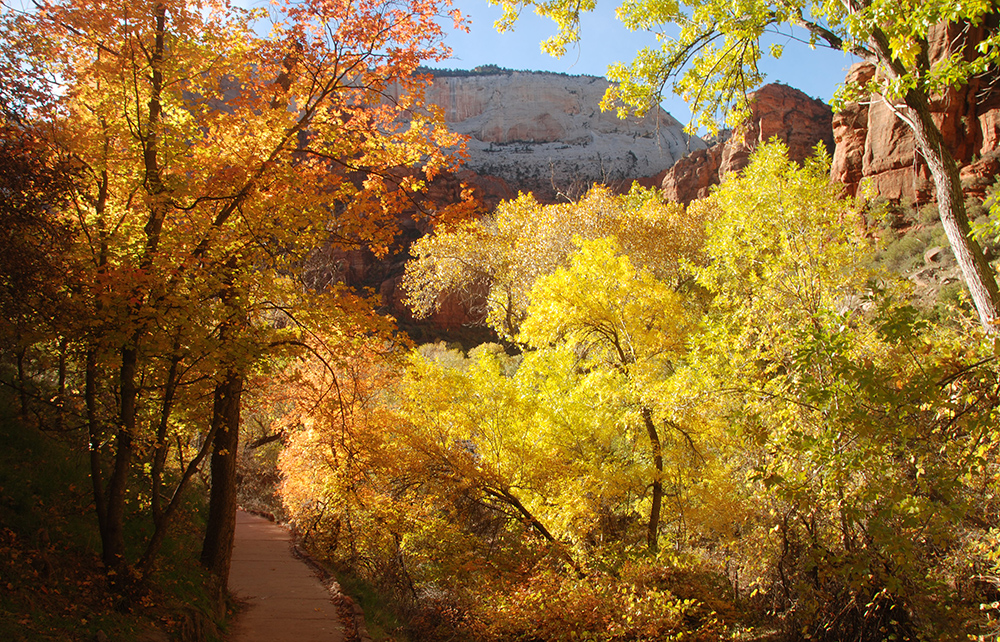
777 111
873 144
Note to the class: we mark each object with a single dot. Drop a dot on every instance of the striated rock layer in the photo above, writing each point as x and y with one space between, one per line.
546 133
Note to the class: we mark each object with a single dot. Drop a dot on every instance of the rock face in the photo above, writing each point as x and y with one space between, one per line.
546 133
777 111
874 144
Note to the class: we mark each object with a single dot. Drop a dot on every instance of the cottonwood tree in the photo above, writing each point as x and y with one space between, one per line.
606 279
710 50
621 319
212 160
493 262
856 432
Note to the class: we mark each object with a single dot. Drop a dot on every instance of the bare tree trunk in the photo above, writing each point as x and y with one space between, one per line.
653 530
217 550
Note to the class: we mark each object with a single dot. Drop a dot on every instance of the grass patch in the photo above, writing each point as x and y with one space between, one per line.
906 253
381 618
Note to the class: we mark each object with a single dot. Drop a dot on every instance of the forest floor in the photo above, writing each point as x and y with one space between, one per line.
283 600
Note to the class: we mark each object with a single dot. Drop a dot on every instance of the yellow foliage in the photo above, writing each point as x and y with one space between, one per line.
494 262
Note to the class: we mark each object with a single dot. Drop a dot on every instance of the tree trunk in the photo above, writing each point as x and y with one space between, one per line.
508 498
976 270
162 520
114 542
916 112
217 550
22 383
94 438
653 530
162 445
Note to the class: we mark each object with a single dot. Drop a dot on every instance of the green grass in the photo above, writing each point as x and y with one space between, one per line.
381 619
906 253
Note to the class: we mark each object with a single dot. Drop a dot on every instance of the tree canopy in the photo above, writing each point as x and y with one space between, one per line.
778 432
207 161
493 262
710 52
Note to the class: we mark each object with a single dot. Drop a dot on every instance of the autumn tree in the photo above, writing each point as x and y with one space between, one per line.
553 280
493 262
710 50
488 493
811 444
615 317
850 421
212 160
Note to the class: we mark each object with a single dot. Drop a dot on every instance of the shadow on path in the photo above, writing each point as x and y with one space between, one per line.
285 601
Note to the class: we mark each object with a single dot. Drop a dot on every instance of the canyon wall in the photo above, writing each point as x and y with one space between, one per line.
546 133
777 111
874 144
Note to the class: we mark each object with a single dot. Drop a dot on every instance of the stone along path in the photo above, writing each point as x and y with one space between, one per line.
285 601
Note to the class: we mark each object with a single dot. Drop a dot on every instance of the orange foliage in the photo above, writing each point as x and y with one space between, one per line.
212 160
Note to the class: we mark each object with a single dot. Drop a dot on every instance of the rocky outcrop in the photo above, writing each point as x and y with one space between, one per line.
785 113
850 128
874 144
777 111
546 133
693 176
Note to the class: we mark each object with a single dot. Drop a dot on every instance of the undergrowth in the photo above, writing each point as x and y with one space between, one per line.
52 583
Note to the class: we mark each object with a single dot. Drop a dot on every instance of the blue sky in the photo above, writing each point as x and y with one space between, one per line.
604 41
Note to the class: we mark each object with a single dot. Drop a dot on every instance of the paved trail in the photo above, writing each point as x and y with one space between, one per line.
285 601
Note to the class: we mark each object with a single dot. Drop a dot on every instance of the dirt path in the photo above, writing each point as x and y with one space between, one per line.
285 601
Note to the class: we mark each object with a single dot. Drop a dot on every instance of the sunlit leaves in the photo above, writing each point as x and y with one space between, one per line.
604 308
494 262
710 50
851 440
783 247
212 162
818 444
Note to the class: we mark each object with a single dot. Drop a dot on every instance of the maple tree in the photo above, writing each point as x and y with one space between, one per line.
709 52
212 160
34 179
